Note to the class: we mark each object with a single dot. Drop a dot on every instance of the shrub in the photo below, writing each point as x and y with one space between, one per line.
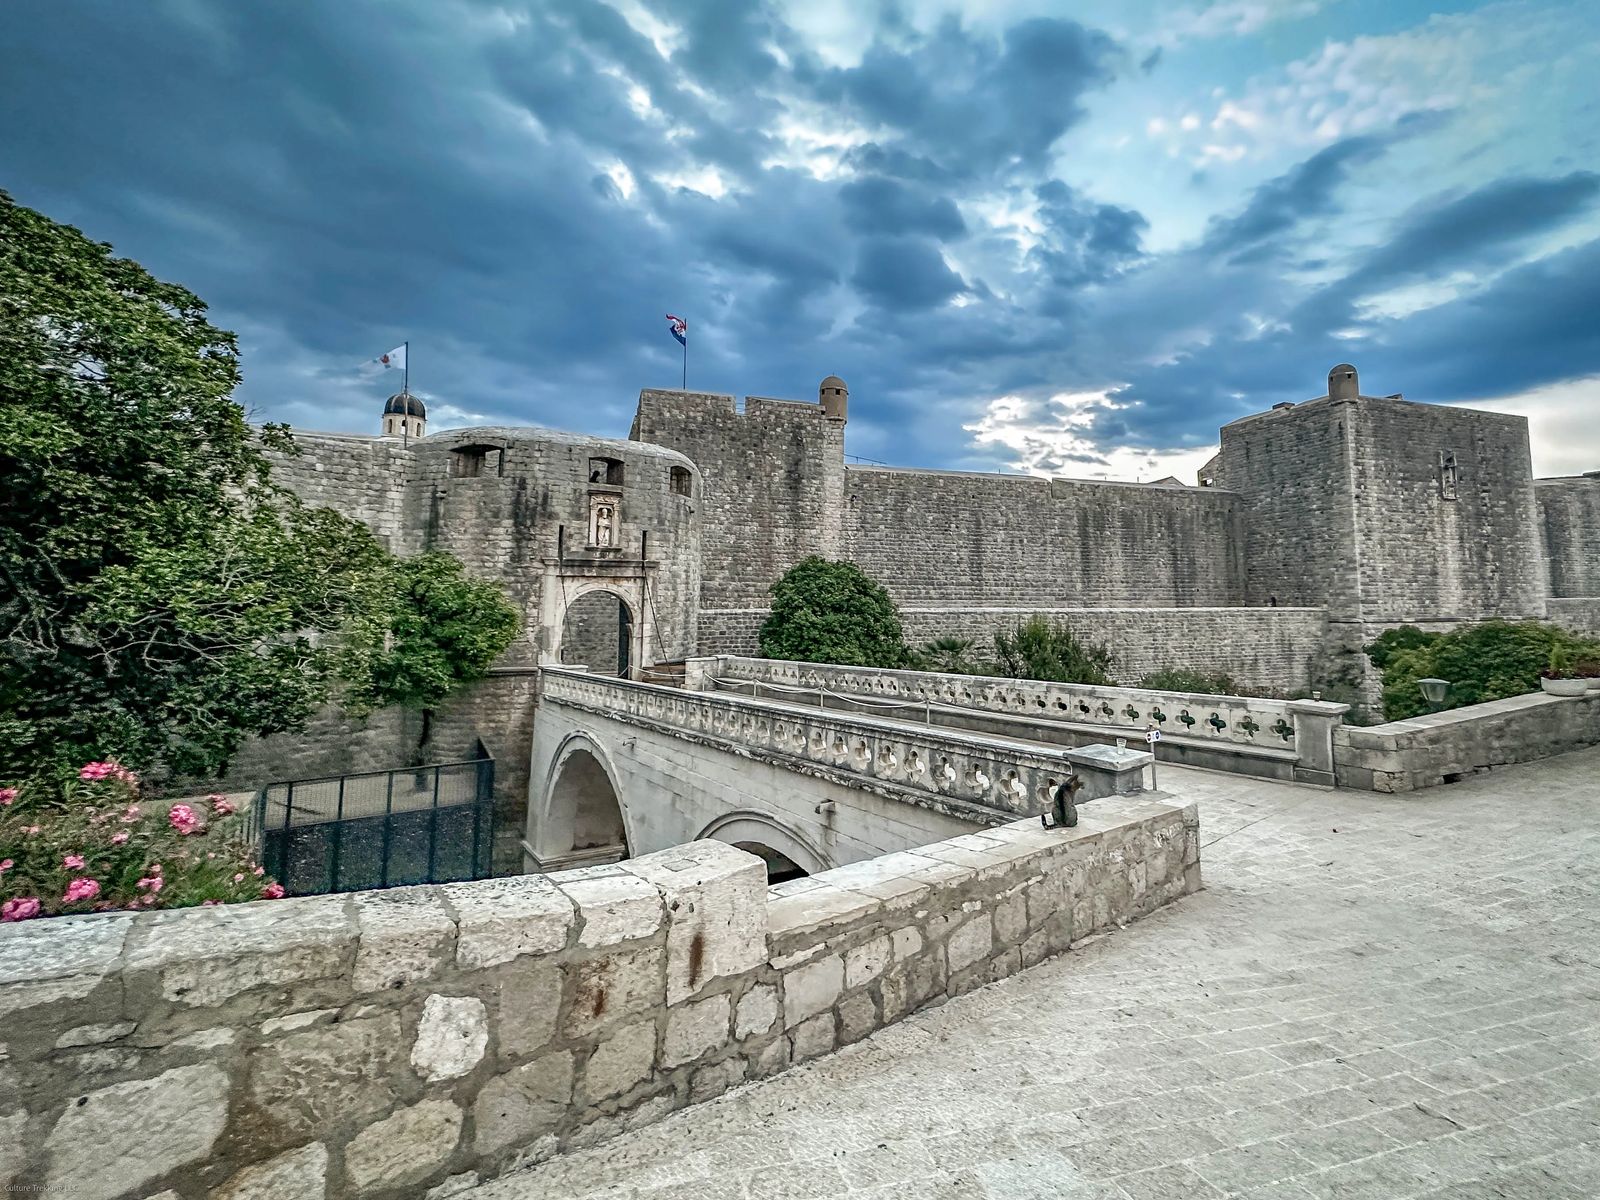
90 844
948 655
1391 641
1038 649
833 612
1487 661
1184 679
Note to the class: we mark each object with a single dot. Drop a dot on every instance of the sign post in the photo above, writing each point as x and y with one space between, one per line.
1152 735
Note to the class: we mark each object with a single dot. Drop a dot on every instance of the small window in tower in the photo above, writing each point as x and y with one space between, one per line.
605 470
469 462
681 482
1448 476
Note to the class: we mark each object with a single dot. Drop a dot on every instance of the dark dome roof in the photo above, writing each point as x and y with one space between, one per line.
832 381
406 405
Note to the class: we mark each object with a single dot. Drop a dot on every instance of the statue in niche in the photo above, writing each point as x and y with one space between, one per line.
603 521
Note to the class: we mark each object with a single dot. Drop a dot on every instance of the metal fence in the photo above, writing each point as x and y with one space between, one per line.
380 829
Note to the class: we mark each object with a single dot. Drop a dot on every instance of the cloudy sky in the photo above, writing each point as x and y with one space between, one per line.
1031 234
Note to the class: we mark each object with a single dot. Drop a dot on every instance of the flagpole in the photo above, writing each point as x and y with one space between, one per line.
405 380
686 364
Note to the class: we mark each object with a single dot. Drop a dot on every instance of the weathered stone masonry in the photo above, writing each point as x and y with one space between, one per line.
381 1043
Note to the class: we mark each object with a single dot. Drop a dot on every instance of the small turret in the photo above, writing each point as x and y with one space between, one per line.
834 397
404 416
1343 383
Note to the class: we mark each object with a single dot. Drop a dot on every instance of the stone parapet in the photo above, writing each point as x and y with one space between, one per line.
1404 756
1289 739
386 1043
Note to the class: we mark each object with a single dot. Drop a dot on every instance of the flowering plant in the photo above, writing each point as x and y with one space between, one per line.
93 844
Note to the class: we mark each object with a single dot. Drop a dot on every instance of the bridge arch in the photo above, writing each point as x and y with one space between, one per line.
788 855
583 818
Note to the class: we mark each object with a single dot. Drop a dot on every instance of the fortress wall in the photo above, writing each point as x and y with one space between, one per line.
1581 614
1569 529
773 480
964 540
361 477
1422 555
1268 648
1291 469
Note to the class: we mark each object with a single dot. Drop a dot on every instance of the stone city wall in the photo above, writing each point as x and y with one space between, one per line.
384 1043
1581 614
966 540
1420 752
1267 648
1569 527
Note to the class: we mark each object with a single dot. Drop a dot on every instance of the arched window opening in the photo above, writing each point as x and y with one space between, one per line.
597 632
469 462
681 481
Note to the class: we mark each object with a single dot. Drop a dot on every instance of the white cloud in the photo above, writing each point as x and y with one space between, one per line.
1052 438
1562 424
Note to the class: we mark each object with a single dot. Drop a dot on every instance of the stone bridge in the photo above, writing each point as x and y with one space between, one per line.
622 768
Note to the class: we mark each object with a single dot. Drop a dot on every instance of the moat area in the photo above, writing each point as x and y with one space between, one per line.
1373 998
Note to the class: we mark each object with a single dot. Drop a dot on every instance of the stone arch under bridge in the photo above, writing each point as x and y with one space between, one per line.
788 854
582 817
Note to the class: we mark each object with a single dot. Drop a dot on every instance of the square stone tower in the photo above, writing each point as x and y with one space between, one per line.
1386 512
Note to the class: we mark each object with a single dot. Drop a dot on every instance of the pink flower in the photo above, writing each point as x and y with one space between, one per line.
7 795
222 806
6 864
81 889
155 868
258 871
96 771
131 815
209 903
273 891
152 882
32 828
239 878
183 819
20 909
73 862
118 838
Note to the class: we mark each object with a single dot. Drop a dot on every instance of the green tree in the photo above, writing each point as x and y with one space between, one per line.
160 598
1038 649
1186 679
948 655
1486 661
832 612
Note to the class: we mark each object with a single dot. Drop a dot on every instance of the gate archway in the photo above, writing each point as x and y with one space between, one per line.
597 632
583 818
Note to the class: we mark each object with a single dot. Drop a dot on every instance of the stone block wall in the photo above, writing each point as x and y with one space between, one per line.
1404 756
1581 614
386 1043
773 484
963 540
1269 648
1569 528
362 477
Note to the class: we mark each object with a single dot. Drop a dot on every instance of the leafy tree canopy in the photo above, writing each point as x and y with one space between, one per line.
160 598
832 612
1487 661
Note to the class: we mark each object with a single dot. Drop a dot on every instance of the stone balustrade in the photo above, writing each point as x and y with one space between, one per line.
415 1041
947 768
1290 739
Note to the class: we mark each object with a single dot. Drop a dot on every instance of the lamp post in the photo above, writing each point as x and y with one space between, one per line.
1434 691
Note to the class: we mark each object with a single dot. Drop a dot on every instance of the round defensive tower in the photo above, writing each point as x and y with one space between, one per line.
1343 383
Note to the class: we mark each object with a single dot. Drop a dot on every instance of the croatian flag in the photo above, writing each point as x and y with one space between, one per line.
680 329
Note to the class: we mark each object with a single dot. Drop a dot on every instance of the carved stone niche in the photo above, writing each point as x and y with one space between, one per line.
605 513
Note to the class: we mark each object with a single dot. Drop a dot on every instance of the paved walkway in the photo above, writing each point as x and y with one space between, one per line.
1374 998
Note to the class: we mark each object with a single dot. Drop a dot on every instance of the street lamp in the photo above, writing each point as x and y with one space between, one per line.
1434 691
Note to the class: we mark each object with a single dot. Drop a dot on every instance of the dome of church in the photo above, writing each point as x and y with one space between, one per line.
404 404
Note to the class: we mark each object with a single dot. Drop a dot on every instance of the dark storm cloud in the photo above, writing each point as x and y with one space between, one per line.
521 189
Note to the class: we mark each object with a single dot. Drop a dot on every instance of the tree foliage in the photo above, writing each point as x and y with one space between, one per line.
160 598
832 612
1040 649
1187 679
1487 661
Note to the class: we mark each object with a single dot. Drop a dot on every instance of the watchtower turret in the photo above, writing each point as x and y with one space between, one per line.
834 397
404 416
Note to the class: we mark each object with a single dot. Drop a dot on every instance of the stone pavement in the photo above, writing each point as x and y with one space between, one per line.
1374 998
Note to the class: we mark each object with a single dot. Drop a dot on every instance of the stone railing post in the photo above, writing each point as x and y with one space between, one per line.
696 672
1108 771
1314 723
